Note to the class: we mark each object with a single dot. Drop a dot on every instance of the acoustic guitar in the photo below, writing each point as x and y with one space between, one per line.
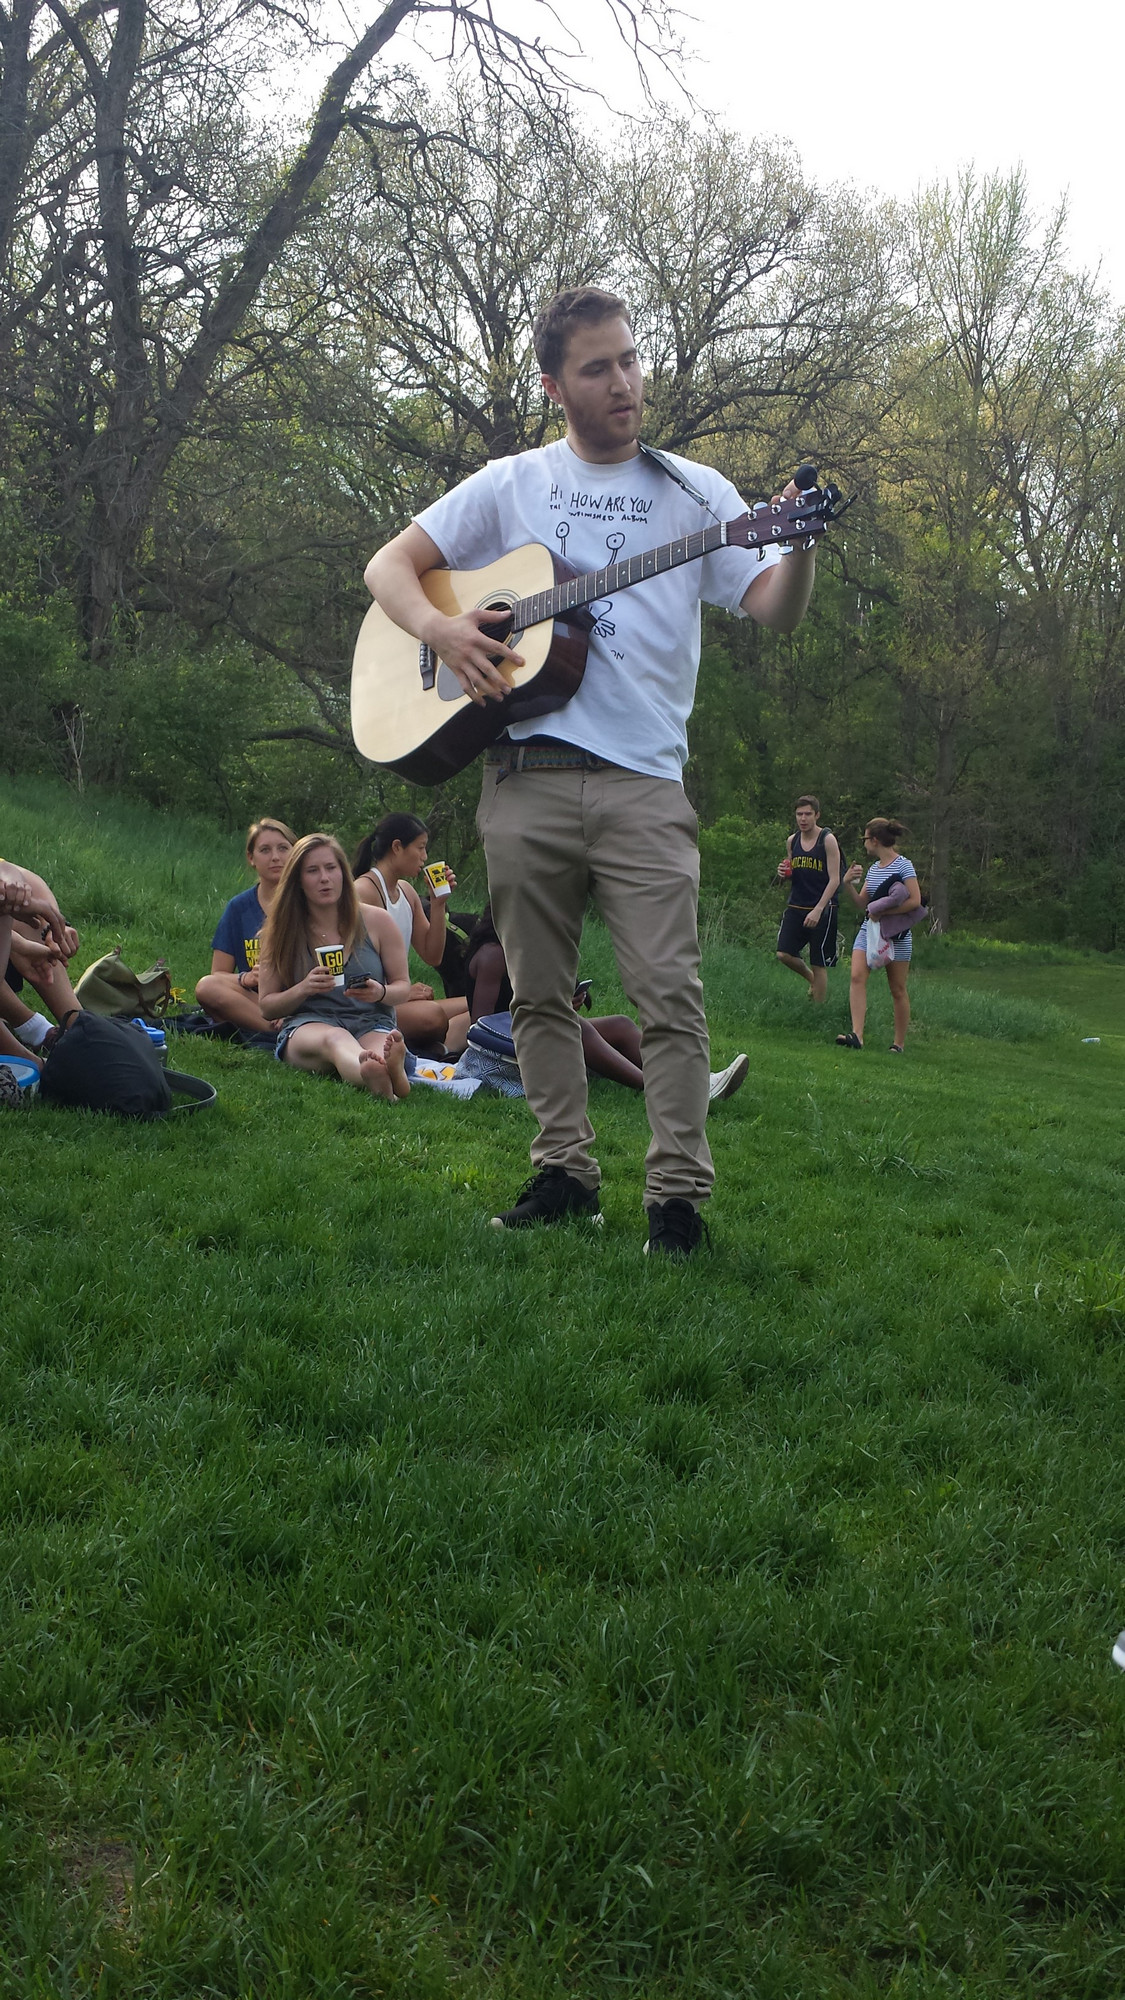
409 710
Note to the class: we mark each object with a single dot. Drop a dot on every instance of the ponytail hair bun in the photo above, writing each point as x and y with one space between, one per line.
401 826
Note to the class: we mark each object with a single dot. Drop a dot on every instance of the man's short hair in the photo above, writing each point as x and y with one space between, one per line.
584 306
807 799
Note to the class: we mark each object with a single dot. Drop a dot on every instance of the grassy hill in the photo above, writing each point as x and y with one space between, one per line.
395 1608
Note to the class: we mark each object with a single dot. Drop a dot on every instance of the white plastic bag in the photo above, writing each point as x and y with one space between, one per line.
880 949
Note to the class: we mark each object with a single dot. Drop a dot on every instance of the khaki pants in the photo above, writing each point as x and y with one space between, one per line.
552 838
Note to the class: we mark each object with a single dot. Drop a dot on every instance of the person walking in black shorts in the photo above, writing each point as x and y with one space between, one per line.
812 867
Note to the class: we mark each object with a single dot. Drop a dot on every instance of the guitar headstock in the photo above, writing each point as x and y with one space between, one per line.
776 523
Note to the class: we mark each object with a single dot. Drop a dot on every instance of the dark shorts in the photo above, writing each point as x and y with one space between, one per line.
793 937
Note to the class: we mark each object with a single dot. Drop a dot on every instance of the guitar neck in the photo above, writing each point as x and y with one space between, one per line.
594 583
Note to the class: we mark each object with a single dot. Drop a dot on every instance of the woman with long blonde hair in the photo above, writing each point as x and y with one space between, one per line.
332 972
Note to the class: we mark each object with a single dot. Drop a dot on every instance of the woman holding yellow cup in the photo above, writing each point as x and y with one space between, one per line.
333 972
383 865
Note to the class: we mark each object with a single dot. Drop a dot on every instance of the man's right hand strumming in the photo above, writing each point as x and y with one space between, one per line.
469 652
392 578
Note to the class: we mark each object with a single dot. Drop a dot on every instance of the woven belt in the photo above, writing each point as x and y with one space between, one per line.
544 755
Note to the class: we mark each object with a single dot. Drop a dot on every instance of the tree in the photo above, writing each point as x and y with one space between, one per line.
760 300
437 257
138 239
1005 336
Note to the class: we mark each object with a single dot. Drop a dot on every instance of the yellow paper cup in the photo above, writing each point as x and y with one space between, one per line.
437 875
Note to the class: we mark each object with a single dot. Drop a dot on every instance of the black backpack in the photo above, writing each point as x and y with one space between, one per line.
101 1064
451 971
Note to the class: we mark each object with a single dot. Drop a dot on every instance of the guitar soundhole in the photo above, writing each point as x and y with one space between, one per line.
501 625
448 686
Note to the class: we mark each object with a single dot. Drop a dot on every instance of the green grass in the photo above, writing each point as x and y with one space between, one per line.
394 1608
1089 986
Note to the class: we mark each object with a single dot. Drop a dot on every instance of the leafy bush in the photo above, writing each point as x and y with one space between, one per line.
37 663
1096 907
740 894
200 729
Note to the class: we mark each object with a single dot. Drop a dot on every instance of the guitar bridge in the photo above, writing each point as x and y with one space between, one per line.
427 665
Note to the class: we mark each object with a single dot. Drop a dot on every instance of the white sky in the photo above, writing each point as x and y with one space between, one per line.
892 96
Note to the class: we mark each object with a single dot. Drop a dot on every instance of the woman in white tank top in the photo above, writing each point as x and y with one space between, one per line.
384 862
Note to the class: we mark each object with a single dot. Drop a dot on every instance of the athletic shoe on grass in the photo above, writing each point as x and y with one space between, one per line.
1119 1651
551 1195
675 1228
724 1082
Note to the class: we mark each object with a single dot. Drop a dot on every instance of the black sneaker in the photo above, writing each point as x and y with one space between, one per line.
674 1228
551 1195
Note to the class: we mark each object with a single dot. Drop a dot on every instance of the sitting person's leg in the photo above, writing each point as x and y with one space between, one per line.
9 1046
26 1027
384 1052
375 1064
38 961
224 996
431 1024
611 1047
14 1011
456 1024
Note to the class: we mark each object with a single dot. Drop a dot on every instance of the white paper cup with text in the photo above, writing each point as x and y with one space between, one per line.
437 875
330 958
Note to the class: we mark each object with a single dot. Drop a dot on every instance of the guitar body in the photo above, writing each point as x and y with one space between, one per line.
411 713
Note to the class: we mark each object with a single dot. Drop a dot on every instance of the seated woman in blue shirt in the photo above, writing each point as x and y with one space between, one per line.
229 992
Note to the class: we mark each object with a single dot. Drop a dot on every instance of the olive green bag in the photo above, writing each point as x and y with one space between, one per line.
109 986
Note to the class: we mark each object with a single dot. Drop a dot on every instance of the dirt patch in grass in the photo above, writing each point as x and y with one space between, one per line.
106 1865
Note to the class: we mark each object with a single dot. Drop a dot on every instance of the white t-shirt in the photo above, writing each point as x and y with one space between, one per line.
639 685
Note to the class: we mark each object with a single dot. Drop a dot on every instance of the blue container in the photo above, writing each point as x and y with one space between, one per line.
156 1036
26 1073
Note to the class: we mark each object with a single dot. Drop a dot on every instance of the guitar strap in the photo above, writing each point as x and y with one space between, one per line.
661 459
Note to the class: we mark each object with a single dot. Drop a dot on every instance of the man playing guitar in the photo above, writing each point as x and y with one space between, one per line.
589 800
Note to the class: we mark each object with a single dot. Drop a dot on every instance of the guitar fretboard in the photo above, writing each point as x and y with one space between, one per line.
767 525
595 583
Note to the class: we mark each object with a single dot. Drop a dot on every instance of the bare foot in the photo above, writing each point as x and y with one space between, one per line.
394 1056
373 1074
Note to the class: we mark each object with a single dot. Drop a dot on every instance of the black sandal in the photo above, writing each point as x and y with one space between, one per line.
897 1049
848 1042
